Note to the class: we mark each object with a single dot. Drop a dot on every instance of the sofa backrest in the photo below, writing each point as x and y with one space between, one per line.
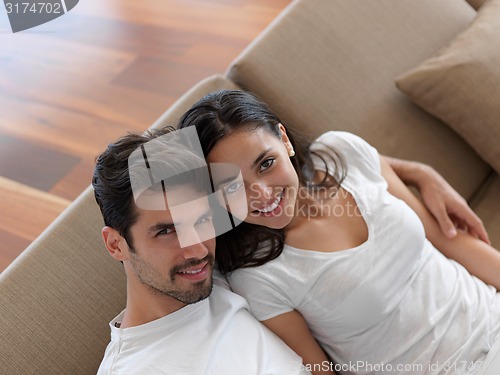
331 64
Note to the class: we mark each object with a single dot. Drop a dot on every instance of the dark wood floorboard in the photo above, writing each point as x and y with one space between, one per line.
71 86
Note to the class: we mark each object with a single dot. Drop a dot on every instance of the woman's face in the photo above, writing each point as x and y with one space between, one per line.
270 181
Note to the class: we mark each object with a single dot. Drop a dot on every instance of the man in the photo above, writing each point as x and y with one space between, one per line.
179 319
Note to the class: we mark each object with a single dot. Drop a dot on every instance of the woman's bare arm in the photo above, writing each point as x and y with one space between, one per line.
479 258
294 331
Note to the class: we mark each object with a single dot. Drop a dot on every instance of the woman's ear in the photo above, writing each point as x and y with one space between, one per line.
284 136
115 243
286 140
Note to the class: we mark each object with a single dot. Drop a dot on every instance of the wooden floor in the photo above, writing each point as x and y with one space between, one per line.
71 86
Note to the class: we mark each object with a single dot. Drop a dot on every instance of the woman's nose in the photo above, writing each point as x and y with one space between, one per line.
261 191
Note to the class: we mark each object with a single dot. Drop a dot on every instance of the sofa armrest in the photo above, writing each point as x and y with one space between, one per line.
58 297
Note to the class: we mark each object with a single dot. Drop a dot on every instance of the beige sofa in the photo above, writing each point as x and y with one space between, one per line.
322 64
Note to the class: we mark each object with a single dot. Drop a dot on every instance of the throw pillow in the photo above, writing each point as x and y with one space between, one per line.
461 84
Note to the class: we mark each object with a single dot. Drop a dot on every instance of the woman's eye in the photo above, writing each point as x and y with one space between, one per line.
231 188
266 164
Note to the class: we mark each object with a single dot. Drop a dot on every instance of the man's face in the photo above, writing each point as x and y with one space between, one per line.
158 260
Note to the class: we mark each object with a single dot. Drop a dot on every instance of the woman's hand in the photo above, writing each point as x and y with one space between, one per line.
448 207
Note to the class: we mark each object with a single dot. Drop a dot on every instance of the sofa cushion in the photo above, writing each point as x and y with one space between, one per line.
461 84
331 64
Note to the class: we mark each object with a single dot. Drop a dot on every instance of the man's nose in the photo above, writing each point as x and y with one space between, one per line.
195 251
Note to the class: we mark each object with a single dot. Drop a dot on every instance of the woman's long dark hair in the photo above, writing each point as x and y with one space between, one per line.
217 115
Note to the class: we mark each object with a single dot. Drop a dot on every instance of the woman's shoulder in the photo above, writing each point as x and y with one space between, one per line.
340 140
354 150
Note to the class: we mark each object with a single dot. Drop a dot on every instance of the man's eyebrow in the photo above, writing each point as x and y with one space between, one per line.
208 212
227 180
160 226
260 157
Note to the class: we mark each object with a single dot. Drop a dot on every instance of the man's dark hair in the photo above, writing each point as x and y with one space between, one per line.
111 181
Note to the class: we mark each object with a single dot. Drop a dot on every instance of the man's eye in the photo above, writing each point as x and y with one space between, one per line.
266 164
231 188
165 231
203 220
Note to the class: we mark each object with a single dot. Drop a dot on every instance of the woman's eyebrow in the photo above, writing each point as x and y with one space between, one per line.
260 157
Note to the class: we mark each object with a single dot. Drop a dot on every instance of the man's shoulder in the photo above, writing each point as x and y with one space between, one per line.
222 295
220 280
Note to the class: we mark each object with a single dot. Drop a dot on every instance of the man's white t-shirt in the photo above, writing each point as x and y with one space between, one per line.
392 305
215 336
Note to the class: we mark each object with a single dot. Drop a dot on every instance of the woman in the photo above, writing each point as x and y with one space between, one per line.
336 250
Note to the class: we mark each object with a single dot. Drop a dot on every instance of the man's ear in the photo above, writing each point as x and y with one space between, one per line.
115 243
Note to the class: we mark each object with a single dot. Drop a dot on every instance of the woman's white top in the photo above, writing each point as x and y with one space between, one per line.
393 304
